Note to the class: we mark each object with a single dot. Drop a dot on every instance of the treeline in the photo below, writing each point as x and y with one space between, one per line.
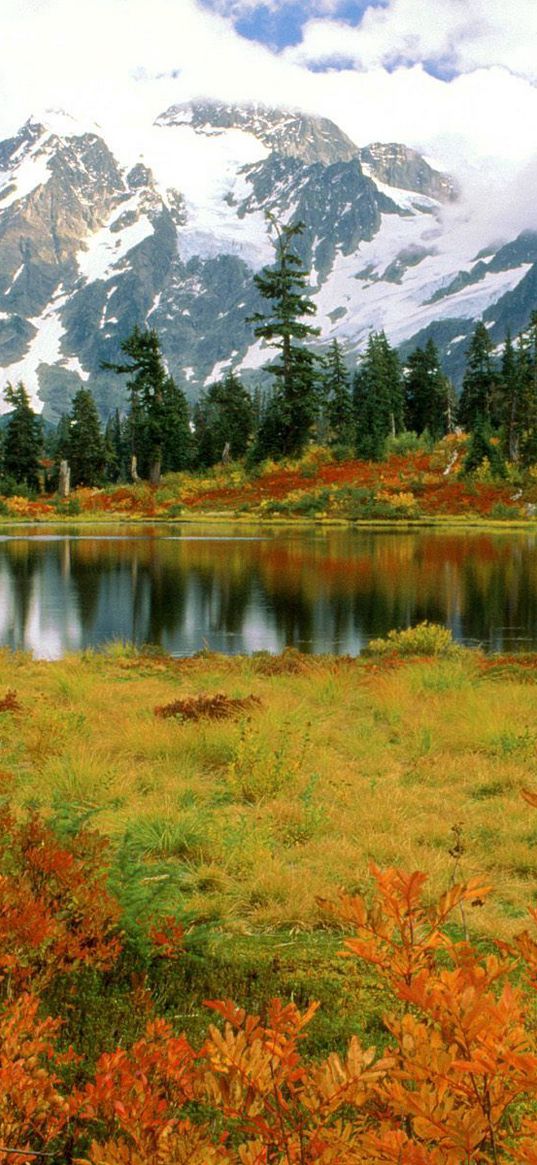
319 398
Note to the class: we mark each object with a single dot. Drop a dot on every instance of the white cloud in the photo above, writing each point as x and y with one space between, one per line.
456 33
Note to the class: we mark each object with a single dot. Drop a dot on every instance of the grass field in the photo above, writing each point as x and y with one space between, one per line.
245 822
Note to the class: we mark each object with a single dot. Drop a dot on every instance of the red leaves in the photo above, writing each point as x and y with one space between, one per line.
458 1083
168 937
32 1110
55 912
9 702
207 707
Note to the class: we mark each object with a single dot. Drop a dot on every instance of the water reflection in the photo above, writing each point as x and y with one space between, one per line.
318 590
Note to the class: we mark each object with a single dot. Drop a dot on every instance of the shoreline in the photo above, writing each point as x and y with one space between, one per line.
220 518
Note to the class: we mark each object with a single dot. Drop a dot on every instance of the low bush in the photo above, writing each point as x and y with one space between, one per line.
423 639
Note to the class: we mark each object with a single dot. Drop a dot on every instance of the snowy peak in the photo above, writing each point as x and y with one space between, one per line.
170 235
291 134
399 166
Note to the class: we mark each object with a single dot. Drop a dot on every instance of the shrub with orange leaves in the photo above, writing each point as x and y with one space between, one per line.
33 1111
455 1085
56 914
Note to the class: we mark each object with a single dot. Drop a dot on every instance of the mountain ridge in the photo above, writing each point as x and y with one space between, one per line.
91 245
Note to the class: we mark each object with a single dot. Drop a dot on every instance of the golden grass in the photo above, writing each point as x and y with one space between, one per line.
257 817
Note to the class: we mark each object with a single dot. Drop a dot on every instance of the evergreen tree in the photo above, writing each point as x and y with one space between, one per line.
427 392
479 396
526 364
177 437
116 455
336 395
160 433
481 448
510 386
378 400
225 417
295 395
23 439
85 449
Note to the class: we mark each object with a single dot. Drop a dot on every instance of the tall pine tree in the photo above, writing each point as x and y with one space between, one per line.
378 398
85 449
160 432
336 397
427 392
510 390
23 439
295 394
479 396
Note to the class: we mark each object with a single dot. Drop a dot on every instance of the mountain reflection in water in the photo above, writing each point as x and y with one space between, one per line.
319 590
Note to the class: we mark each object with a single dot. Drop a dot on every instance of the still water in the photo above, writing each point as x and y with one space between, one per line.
318 590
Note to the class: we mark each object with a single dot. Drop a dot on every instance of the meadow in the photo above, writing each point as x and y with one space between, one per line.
248 788
215 828
415 482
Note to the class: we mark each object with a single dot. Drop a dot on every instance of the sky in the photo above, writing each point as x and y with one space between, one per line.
455 79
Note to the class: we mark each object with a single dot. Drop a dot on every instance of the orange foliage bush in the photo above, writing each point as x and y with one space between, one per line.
9 702
55 912
455 1085
207 707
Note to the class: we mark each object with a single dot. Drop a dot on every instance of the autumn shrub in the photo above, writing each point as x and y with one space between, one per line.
402 444
217 706
455 1082
56 914
423 639
9 702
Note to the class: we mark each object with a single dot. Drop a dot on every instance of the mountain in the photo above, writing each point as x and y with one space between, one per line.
97 234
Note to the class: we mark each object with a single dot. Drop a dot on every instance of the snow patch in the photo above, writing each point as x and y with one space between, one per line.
74 365
21 180
106 248
45 348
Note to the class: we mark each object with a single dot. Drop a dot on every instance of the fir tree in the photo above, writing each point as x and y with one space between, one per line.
426 392
295 396
336 394
160 434
23 439
526 364
480 382
484 447
510 387
378 400
225 417
116 458
85 444
177 437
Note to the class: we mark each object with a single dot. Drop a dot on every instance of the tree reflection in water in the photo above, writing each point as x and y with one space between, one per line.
318 590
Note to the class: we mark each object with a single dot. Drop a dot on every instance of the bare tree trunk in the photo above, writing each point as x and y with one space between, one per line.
64 484
154 472
226 453
134 468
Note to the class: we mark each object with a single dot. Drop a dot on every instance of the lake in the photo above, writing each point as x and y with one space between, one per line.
237 590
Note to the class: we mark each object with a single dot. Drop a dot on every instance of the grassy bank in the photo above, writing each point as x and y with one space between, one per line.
415 485
320 766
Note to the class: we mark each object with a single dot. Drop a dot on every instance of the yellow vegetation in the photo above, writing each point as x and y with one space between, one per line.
250 819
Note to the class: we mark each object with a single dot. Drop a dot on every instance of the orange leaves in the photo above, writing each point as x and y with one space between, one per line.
400 933
207 707
32 1110
457 1084
140 1093
55 912
167 938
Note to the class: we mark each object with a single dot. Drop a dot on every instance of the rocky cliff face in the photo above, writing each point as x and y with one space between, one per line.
398 165
89 247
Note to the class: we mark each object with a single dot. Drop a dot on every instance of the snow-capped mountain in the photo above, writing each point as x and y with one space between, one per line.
168 227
